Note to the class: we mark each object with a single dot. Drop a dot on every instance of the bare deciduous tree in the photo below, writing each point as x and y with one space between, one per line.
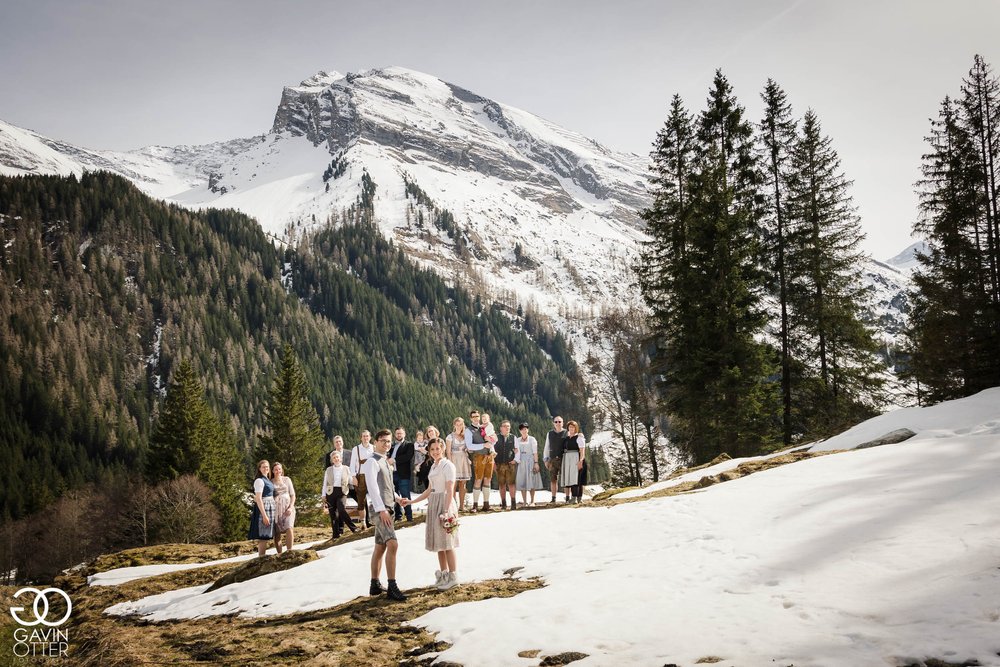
184 511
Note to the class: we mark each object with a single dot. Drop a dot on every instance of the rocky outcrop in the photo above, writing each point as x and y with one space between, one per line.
891 438
459 129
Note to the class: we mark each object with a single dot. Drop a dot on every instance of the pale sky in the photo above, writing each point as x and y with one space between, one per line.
121 74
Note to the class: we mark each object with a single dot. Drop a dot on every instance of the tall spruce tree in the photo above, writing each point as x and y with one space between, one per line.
777 140
662 266
948 327
294 437
222 469
177 442
189 439
981 118
717 391
981 106
826 292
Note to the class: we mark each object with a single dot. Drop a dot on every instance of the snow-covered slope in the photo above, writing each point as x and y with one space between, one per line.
882 556
549 216
157 170
889 306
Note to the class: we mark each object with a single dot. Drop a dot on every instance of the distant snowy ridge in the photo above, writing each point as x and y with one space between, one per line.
907 259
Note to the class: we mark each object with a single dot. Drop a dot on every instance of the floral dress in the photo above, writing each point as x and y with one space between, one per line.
459 456
284 513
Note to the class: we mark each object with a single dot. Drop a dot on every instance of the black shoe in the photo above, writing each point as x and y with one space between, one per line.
394 593
513 504
376 588
503 506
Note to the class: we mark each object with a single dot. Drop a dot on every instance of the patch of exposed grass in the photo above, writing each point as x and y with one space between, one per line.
364 631
742 470
159 554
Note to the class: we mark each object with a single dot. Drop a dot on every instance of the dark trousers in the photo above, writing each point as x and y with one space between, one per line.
577 489
338 513
402 488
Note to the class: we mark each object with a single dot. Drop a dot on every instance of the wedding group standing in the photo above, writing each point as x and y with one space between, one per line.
381 475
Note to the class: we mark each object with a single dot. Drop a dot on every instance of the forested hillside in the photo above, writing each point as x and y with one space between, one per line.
103 291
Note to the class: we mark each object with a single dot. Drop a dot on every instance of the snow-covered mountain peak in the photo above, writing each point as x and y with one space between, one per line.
411 111
318 81
907 259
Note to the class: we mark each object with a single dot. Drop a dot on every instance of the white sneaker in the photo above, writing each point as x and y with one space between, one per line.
438 577
448 580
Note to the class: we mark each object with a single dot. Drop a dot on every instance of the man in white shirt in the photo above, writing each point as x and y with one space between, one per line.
336 480
381 497
361 453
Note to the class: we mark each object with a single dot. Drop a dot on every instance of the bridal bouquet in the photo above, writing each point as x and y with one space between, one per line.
449 522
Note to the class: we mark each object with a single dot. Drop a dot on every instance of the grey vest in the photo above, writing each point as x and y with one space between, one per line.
384 483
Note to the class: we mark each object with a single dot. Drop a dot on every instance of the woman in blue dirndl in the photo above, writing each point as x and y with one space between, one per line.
262 515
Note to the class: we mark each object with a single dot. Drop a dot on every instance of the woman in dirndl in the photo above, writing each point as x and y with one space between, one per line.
574 469
528 477
440 493
456 451
284 508
262 514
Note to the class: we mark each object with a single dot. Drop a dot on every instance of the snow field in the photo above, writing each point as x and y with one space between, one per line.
885 555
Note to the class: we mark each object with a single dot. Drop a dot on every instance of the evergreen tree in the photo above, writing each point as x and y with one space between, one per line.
222 469
777 138
949 332
825 288
661 266
981 107
189 439
294 437
182 431
715 372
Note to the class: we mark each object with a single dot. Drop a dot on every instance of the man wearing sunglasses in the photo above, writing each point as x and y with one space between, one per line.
553 453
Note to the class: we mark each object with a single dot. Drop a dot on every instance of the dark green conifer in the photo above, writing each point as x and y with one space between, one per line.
825 287
706 291
293 437
179 438
949 301
777 138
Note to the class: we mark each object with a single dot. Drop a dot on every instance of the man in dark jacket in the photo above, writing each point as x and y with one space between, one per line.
400 460
553 453
506 466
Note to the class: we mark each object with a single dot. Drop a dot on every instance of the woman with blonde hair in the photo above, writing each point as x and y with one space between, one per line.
262 515
574 448
284 508
529 477
456 451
